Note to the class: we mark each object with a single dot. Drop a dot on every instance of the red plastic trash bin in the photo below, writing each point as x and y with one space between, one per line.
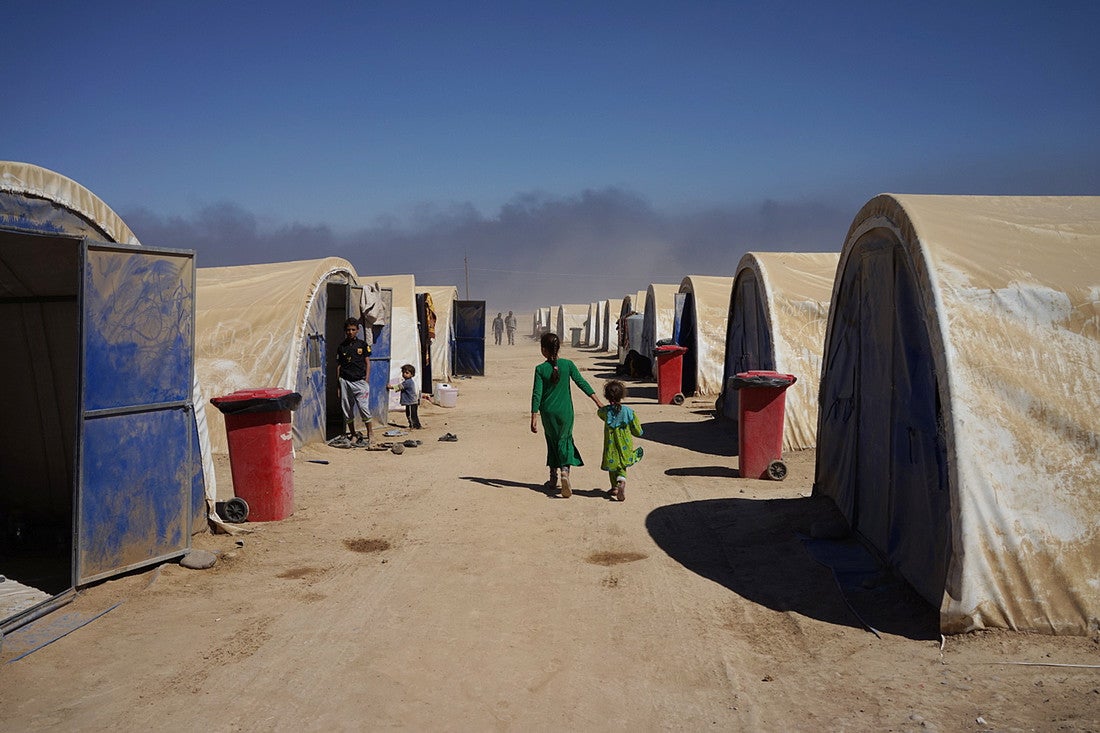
261 458
670 365
761 406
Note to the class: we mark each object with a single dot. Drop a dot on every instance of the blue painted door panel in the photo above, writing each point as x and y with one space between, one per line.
135 499
137 461
379 378
138 312
469 348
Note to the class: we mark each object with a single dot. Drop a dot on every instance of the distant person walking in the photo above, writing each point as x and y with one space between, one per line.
510 324
620 427
498 328
552 399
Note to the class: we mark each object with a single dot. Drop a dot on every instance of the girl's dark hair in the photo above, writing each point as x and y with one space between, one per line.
409 368
614 391
551 344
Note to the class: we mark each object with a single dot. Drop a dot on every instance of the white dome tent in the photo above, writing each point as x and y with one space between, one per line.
959 409
778 311
703 331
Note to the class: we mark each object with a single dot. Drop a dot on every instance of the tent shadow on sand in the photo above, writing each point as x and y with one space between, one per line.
759 549
701 437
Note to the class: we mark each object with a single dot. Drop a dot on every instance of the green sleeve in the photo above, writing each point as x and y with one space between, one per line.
536 392
575 375
636 426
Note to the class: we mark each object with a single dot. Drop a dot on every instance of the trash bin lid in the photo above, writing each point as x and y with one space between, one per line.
265 399
761 378
669 350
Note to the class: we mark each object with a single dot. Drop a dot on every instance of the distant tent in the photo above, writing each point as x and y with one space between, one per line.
568 317
544 320
703 332
103 455
777 316
594 324
275 325
959 409
441 347
659 312
631 321
611 313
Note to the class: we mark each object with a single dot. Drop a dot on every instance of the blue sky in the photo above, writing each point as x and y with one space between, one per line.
544 137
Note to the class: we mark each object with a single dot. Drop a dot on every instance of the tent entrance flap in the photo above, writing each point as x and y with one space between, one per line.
339 301
39 328
888 468
469 354
748 340
425 316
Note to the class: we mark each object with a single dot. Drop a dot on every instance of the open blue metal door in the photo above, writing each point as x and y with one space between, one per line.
469 349
380 355
137 457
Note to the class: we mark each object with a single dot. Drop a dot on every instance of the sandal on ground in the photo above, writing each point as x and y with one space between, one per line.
566 489
449 438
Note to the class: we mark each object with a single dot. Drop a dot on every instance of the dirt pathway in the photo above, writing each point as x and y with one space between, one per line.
444 589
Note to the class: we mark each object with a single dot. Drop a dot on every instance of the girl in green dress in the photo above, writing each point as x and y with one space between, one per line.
552 398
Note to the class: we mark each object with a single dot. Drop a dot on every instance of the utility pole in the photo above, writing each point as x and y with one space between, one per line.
466 265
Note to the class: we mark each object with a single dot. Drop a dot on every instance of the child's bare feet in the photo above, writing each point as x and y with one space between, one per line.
566 489
620 490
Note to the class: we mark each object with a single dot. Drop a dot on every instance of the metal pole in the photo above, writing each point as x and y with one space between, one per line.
466 264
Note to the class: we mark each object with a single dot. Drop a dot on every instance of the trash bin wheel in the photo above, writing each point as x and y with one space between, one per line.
678 399
235 510
777 470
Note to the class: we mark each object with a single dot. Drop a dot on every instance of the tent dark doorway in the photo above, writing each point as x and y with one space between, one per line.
39 327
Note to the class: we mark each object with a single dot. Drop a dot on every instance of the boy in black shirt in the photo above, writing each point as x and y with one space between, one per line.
353 369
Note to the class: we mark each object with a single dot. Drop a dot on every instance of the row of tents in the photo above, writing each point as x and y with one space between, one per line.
115 350
948 364
948 361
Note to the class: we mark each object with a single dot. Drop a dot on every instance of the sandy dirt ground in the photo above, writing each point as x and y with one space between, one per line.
446 589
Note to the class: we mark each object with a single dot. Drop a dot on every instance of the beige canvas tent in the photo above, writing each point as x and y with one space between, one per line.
660 317
612 308
404 333
631 321
106 465
443 303
569 316
274 325
538 320
594 324
778 311
703 331
959 409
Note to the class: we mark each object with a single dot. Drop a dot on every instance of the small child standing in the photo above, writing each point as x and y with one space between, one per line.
410 395
620 427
